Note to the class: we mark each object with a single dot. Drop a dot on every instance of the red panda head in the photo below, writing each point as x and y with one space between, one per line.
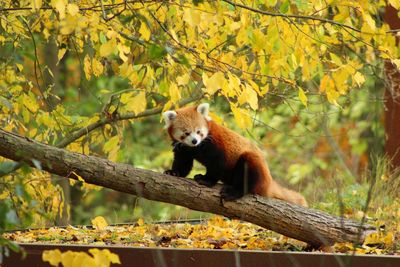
188 125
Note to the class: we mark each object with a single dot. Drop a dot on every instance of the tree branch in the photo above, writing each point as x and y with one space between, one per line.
106 120
292 16
312 226
303 17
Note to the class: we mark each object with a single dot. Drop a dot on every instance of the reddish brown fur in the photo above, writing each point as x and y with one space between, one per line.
234 146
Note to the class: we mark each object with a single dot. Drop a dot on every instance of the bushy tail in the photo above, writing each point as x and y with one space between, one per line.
280 192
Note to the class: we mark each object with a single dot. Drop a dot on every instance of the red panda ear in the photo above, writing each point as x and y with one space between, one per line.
169 116
203 109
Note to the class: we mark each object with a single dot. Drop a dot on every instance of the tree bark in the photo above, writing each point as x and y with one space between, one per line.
314 227
392 98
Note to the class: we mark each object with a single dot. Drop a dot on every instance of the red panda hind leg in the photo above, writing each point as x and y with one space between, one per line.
246 177
251 175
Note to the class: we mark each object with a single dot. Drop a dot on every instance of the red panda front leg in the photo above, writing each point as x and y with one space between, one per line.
214 172
214 160
245 176
183 162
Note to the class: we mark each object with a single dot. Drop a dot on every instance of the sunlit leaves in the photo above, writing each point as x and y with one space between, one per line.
36 4
215 233
249 96
87 67
72 9
99 223
213 83
52 256
242 117
108 47
97 67
144 31
174 93
394 3
359 78
61 53
99 258
303 97
111 147
60 6
136 103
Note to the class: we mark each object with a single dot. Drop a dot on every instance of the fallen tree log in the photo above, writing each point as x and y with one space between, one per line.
314 227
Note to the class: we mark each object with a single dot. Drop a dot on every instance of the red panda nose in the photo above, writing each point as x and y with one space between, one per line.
194 141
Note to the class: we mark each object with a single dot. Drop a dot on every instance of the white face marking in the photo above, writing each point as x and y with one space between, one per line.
191 138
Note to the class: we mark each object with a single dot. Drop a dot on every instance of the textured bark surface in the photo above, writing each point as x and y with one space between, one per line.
312 226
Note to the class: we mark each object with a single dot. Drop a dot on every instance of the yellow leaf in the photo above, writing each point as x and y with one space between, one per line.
395 3
52 256
97 67
19 66
125 97
303 97
192 17
242 37
144 31
87 67
30 103
140 222
174 93
241 117
336 59
61 53
325 81
397 63
137 103
111 144
215 82
370 21
78 176
74 259
123 49
183 80
36 4
359 78
99 223
249 96
108 48
72 9
104 257
389 239
372 238
4 195
59 5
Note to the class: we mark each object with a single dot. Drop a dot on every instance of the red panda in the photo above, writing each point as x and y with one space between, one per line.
227 156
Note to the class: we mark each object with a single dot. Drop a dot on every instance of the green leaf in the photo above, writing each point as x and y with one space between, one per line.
284 8
156 52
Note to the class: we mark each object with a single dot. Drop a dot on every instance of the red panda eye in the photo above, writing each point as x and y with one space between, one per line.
198 132
186 134
182 137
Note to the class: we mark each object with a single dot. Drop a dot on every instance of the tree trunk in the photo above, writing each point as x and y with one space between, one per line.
312 226
392 98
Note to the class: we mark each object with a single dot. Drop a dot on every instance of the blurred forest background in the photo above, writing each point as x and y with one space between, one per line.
309 92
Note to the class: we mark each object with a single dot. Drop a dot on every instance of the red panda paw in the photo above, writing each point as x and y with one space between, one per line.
229 193
203 180
171 172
